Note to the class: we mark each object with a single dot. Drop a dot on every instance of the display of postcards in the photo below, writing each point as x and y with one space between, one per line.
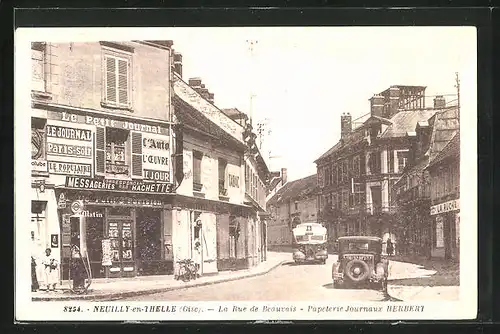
127 254
127 243
113 233
114 243
127 234
116 256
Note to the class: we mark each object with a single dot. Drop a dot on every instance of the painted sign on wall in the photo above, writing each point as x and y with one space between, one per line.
156 162
38 156
117 185
69 149
445 207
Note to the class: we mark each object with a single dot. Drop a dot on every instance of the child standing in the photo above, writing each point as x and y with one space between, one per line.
50 270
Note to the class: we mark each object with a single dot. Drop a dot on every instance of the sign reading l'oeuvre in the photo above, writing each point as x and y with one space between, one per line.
156 155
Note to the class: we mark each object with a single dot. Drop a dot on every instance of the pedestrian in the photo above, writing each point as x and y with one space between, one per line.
50 270
390 247
34 277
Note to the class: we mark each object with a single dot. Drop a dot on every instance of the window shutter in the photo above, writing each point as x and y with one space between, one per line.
111 80
136 154
100 154
123 82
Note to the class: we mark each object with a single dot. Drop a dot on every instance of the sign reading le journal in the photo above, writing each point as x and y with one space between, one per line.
117 185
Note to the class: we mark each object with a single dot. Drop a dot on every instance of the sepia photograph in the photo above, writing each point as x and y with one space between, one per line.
264 173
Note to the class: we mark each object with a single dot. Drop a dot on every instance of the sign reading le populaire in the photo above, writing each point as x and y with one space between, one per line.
117 185
445 207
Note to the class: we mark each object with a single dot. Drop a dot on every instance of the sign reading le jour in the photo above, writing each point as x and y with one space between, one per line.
445 207
117 185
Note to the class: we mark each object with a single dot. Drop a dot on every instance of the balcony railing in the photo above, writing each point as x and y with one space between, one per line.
117 169
415 193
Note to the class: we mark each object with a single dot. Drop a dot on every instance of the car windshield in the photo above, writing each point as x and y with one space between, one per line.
358 245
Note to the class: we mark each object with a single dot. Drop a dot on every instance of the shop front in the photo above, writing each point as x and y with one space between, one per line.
446 229
122 232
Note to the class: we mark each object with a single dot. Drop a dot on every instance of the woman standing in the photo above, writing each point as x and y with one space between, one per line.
50 270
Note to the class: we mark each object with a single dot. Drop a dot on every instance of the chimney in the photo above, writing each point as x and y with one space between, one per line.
377 105
195 83
284 175
345 124
439 102
394 95
211 97
178 63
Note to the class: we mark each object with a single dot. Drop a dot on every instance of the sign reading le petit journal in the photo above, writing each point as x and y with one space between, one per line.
117 185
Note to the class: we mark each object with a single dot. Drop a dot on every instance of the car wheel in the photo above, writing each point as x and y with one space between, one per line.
357 271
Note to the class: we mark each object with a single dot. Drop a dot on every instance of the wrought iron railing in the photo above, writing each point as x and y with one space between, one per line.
117 169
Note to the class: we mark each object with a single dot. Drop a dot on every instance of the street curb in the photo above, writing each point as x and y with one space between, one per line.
121 295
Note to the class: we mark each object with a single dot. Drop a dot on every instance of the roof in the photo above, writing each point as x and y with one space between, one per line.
359 237
445 125
297 189
452 149
398 126
405 121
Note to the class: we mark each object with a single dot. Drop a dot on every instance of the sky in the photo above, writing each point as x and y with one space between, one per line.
304 78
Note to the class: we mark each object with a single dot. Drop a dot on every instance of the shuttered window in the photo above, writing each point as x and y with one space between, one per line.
136 154
100 157
117 81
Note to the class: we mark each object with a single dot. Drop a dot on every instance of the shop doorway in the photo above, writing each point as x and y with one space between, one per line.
149 242
95 234
121 236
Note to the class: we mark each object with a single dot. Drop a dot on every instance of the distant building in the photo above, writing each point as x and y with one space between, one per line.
445 200
277 180
414 188
356 175
293 204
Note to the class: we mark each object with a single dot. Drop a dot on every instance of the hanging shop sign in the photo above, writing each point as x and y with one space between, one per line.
118 185
233 181
61 202
70 168
445 207
38 162
76 207
54 240
107 122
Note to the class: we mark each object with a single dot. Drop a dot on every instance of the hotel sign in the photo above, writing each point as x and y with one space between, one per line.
118 185
452 205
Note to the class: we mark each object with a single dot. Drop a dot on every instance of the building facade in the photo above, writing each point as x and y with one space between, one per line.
292 204
220 196
132 168
414 188
444 171
356 176
101 155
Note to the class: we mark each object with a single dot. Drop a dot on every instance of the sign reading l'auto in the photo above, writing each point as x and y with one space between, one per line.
445 207
156 154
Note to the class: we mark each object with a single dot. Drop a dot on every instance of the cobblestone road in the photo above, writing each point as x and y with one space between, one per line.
289 282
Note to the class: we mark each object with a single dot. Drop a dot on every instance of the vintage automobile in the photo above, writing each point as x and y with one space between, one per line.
310 243
360 261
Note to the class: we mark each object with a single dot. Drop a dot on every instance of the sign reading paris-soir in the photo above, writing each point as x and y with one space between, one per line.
117 185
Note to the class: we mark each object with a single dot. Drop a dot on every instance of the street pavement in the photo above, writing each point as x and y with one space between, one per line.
278 278
308 282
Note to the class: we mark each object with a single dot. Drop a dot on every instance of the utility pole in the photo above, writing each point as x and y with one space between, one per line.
457 86
261 130
251 45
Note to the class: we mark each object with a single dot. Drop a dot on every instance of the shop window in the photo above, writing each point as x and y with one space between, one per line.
222 177
356 165
117 87
38 74
197 158
116 152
